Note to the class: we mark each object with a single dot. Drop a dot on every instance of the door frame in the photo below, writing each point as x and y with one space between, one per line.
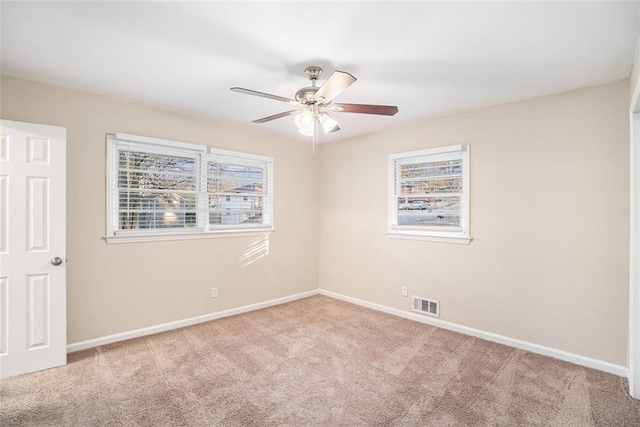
634 246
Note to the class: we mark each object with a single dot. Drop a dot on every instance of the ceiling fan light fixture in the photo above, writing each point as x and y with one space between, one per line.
304 120
327 122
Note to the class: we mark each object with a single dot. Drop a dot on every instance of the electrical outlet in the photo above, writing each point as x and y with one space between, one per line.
214 292
404 291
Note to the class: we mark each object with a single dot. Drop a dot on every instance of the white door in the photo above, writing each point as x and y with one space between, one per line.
32 247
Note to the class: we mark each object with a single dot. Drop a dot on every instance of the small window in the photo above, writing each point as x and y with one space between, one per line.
236 189
161 190
429 194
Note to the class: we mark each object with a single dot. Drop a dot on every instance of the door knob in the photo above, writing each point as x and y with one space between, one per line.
56 261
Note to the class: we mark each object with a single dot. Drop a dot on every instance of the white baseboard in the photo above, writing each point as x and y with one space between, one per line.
600 365
121 336
524 345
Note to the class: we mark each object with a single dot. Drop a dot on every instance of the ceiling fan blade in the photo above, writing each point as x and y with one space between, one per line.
336 83
383 110
264 95
276 116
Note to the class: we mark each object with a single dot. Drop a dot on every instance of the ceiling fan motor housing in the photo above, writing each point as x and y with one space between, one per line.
306 95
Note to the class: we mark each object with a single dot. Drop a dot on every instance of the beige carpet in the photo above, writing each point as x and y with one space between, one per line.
315 362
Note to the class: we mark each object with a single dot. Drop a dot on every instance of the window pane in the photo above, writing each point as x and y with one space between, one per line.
160 181
156 191
227 177
443 211
143 170
235 217
432 185
157 201
144 220
430 193
234 202
235 193
235 209
429 169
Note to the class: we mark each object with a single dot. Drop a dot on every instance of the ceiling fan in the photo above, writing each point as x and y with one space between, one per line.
317 103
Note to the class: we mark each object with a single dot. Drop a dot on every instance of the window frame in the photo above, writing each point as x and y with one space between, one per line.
203 155
448 234
253 160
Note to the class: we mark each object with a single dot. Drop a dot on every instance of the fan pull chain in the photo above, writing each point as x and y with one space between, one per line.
314 141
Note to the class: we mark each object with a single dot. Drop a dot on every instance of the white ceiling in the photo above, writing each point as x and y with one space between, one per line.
428 58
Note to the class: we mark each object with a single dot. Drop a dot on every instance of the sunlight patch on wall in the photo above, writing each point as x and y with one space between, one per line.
257 249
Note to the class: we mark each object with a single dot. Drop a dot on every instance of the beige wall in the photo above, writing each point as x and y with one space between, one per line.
121 287
549 219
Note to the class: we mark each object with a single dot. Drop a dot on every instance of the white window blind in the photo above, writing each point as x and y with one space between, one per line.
429 194
156 191
237 191
160 189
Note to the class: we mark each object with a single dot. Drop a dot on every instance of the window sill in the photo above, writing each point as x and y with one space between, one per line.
137 238
397 234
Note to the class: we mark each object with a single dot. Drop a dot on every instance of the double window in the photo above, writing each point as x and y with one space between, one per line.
158 189
429 194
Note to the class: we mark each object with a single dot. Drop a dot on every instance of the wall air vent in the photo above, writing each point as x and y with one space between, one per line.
426 306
